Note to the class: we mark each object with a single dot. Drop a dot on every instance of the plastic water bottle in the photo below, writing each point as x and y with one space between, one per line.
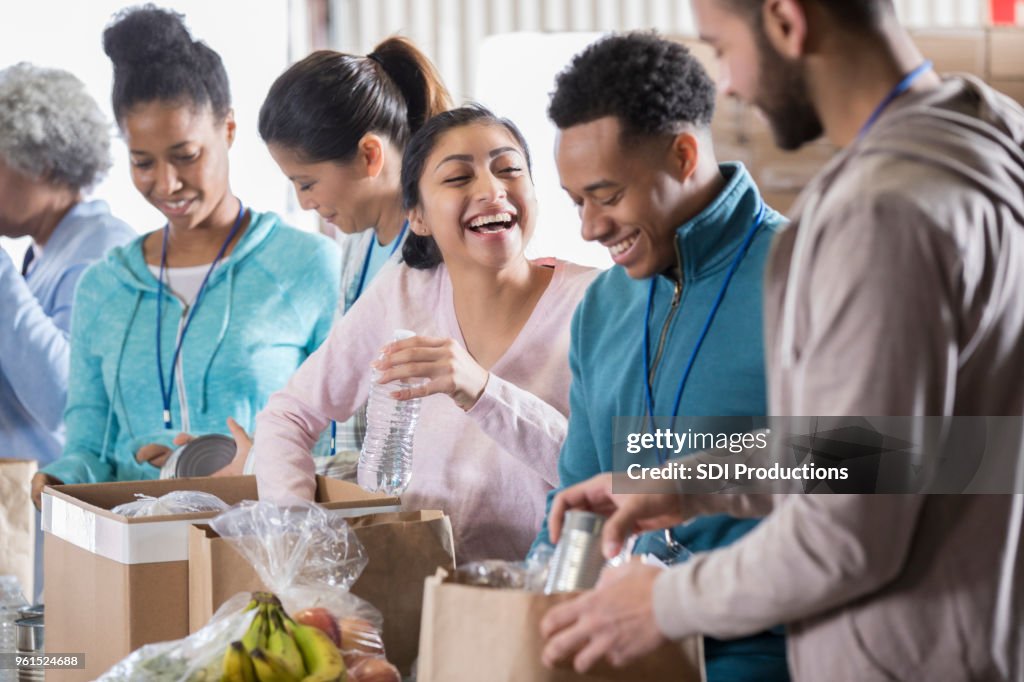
11 599
385 461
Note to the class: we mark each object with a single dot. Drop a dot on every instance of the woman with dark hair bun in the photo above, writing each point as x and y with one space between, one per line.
337 125
492 346
187 329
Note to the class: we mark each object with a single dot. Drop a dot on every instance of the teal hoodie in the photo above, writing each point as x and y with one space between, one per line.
727 379
266 308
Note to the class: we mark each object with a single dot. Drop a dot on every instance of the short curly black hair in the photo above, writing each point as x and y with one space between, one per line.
653 86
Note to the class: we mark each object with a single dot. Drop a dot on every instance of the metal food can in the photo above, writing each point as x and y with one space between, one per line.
201 456
578 560
29 632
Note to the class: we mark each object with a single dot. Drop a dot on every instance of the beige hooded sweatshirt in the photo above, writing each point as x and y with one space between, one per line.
897 290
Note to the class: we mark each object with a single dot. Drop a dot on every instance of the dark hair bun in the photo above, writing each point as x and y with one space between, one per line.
146 35
155 59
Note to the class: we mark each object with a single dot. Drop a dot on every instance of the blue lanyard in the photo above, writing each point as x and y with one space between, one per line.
649 392
166 387
359 292
900 88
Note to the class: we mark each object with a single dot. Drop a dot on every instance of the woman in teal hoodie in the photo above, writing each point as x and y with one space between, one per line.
196 324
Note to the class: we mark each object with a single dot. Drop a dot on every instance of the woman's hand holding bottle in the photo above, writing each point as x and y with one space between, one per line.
443 362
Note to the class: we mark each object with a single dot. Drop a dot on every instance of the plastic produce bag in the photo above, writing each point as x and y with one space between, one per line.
302 553
177 502
197 658
310 558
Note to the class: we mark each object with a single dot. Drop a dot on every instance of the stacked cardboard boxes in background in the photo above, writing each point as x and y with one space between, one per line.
1006 61
740 133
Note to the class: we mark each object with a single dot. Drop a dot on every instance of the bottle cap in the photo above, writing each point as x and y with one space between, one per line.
403 334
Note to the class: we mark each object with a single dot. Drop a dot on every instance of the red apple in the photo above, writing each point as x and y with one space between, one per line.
359 634
374 670
321 619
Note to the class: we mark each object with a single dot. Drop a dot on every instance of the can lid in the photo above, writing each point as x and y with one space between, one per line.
403 334
585 521
29 611
205 455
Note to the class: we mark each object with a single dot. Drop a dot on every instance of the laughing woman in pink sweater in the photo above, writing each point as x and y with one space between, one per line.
492 343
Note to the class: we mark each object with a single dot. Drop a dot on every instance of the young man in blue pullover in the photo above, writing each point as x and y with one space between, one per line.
675 328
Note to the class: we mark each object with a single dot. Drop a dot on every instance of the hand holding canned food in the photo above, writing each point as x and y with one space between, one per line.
208 455
627 514
614 621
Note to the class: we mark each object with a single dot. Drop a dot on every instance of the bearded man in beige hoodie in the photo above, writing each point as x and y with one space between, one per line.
895 292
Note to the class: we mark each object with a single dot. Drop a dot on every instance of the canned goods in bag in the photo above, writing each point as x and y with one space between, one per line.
578 561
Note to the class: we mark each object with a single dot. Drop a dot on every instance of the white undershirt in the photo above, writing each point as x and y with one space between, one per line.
183 282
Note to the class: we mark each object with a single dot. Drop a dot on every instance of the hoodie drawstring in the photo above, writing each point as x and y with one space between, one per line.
117 375
225 321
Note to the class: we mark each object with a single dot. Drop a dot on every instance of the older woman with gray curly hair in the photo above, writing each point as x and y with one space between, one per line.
54 146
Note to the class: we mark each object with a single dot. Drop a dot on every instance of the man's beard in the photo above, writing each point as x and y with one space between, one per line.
784 98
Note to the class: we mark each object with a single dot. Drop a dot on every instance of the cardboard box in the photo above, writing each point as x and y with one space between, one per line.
474 633
1013 88
955 50
781 175
783 202
403 550
1006 53
114 583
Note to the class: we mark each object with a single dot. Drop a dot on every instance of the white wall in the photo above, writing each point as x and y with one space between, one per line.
251 37
522 96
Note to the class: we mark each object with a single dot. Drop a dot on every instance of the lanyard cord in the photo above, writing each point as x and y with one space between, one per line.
649 392
166 387
900 88
359 291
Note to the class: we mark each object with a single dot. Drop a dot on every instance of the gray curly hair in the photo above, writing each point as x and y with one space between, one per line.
50 128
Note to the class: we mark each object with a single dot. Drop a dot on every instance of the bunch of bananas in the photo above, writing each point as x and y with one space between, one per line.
277 649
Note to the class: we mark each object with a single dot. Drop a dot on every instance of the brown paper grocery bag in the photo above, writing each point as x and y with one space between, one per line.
479 633
404 549
18 522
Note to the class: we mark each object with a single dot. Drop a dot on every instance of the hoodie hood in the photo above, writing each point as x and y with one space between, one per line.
953 157
963 128
130 267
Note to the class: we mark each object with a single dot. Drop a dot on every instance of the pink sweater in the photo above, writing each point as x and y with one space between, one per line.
489 468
